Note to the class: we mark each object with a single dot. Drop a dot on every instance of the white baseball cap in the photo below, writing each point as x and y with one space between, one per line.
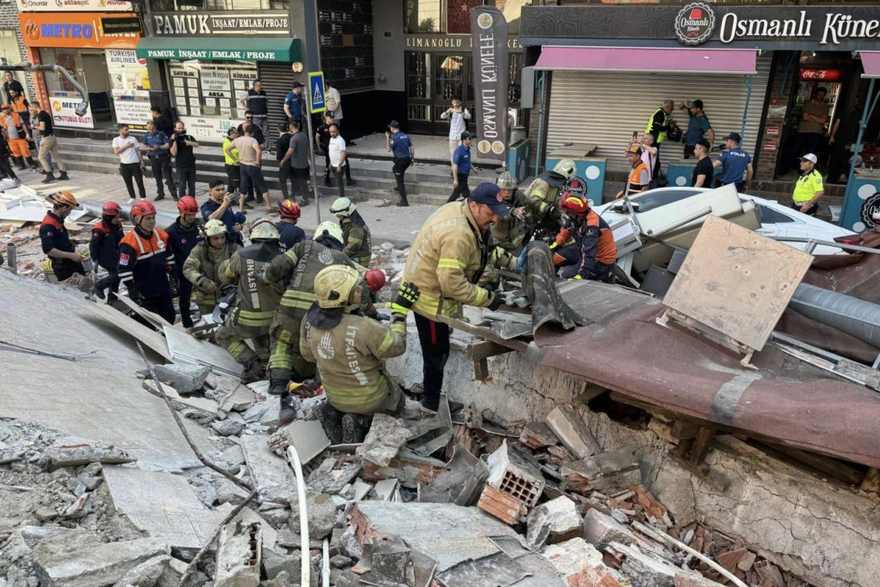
810 157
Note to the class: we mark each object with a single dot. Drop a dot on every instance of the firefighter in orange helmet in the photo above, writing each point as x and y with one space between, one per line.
55 240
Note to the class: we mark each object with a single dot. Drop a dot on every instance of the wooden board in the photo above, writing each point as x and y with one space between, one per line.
737 281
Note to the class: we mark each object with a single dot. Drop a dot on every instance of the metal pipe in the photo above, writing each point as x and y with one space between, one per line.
681 221
306 569
12 258
163 218
540 123
851 315
814 242
82 107
748 81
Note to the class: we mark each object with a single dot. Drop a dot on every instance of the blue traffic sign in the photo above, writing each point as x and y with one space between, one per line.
317 98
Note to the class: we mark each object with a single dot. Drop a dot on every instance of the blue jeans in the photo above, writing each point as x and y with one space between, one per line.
37 142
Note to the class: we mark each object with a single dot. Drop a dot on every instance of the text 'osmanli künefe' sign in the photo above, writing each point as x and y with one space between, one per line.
489 32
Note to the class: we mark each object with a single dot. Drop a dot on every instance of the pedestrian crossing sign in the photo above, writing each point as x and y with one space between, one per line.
317 98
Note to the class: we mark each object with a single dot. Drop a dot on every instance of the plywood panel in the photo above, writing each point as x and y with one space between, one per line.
737 281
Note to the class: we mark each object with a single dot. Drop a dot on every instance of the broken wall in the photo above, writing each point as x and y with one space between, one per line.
825 533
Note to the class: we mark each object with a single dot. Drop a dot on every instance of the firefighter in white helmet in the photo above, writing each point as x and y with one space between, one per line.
202 266
543 194
357 242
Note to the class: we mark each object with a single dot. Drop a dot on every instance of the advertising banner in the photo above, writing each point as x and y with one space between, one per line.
490 57
74 6
207 129
78 30
63 106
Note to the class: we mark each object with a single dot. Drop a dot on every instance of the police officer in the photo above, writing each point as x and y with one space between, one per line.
257 300
298 268
357 240
104 246
593 252
183 236
55 240
509 231
349 351
447 259
201 268
400 146
145 261
809 187
736 164
543 194
287 228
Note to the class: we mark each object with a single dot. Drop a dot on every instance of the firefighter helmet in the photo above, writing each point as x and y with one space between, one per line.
342 207
565 168
334 286
331 229
142 208
215 227
506 181
289 209
62 198
188 205
575 205
375 279
110 209
264 230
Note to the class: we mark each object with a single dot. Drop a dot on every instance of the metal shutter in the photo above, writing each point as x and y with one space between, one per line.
277 81
605 108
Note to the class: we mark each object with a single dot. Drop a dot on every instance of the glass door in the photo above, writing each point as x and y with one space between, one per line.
419 80
453 81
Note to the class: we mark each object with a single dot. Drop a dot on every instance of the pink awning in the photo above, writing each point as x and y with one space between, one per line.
871 63
649 60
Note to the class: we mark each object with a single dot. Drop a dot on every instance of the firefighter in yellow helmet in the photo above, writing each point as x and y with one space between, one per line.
349 351
55 241
509 231
543 194
257 300
202 266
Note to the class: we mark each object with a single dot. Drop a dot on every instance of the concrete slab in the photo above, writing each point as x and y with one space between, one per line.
162 504
308 438
270 473
98 396
185 348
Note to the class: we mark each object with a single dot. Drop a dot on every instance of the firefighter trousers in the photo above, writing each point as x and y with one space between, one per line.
234 336
286 362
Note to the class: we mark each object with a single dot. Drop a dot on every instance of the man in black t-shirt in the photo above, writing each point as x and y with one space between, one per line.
704 172
162 122
258 133
257 102
48 146
182 146
9 84
322 144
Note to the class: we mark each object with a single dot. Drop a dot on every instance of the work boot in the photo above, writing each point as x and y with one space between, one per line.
327 182
159 197
432 406
355 428
33 164
49 178
403 203
19 163
331 421
277 382
99 290
287 414
253 370
351 182
63 176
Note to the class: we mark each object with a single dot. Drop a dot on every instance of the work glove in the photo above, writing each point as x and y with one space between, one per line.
208 286
554 245
173 281
554 213
136 295
496 302
407 295
521 263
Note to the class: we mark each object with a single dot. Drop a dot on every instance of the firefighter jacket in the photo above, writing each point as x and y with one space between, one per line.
144 262
593 236
298 267
104 246
202 265
257 299
446 261
508 232
182 241
543 196
350 358
358 242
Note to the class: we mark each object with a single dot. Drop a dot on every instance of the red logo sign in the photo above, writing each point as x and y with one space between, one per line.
825 75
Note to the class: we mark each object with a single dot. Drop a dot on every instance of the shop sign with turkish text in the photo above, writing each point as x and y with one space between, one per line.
205 24
79 30
63 106
74 6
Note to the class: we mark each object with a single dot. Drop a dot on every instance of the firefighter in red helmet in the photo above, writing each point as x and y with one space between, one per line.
287 228
183 236
106 236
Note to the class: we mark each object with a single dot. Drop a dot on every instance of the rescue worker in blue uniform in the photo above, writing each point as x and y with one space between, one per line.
183 236
104 247
55 240
287 228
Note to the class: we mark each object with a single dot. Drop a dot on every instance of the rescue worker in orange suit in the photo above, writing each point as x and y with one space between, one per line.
66 262
21 106
104 247
183 236
639 177
17 136
593 254
145 260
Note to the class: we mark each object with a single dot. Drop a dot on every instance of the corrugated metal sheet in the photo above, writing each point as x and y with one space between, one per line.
605 108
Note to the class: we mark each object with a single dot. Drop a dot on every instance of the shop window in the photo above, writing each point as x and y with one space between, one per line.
217 5
424 16
210 88
459 15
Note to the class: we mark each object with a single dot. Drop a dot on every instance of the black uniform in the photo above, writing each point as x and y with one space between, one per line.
104 250
53 235
182 241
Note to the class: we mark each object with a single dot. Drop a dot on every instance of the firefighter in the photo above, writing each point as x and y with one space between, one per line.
145 262
201 269
509 231
298 268
349 351
287 228
183 236
55 240
357 243
258 300
446 261
593 254
543 196
17 137
104 246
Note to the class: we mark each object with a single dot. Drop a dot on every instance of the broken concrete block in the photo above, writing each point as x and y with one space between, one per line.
228 427
321 513
568 425
275 563
68 454
384 440
172 573
644 570
146 574
506 508
232 396
601 530
63 561
599 576
516 474
683 579
307 437
607 472
78 508
45 513
183 378
537 435
572 556
32 535
392 559
239 555
349 545
555 521
270 473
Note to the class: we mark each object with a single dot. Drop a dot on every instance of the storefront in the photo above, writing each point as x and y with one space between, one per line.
103 61
210 60
615 77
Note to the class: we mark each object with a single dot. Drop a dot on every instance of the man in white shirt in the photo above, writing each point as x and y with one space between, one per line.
338 162
457 125
131 162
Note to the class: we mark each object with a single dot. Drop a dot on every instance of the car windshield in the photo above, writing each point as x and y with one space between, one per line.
658 198
768 215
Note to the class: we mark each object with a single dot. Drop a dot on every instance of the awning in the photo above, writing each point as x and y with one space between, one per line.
649 60
212 49
871 64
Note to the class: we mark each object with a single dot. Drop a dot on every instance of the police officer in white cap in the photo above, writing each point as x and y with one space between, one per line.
809 187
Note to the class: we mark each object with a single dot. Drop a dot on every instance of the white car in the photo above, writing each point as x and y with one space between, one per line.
776 219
